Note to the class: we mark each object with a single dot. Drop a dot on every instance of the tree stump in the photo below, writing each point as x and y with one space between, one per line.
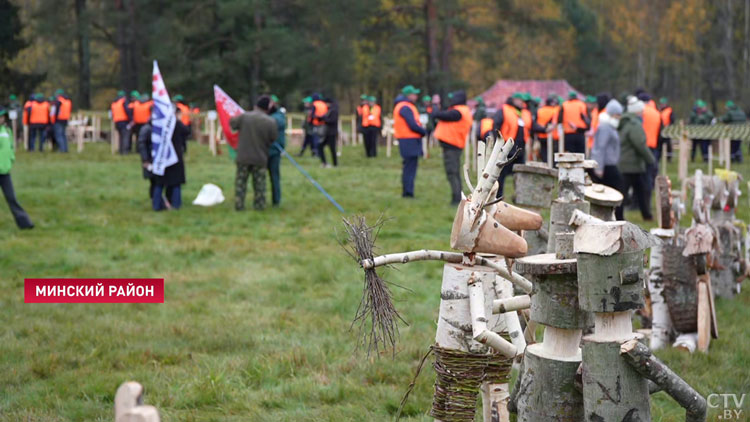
535 185
603 200
560 215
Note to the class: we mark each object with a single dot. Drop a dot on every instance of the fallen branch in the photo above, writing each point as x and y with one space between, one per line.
640 358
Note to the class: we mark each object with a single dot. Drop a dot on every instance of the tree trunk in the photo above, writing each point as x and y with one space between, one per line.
255 70
727 43
431 59
84 55
125 43
545 390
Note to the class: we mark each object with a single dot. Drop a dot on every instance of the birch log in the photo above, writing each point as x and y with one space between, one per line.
661 322
642 360
452 257
511 304
478 311
704 314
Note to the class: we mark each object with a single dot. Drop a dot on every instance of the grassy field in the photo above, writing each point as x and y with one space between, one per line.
255 325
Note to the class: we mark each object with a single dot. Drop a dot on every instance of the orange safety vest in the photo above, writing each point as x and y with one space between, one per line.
651 125
372 117
118 111
66 106
545 115
320 110
509 128
455 133
401 130
141 111
39 113
185 116
485 126
25 117
573 112
594 125
527 121
666 116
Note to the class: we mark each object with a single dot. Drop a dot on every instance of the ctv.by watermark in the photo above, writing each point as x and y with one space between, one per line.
729 405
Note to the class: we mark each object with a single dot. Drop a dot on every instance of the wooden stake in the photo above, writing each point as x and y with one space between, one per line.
704 314
682 170
561 134
26 137
550 151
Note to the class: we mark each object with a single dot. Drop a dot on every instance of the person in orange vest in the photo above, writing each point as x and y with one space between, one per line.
409 132
667 118
509 122
184 110
546 120
121 116
576 122
371 126
62 107
652 127
452 130
593 111
361 111
317 114
141 112
307 128
49 129
38 112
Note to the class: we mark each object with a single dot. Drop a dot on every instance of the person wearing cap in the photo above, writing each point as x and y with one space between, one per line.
510 123
480 111
38 112
257 131
121 115
606 149
546 125
409 132
667 118
734 115
317 112
652 127
361 111
278 114
576 122
593 112
307 128
141 110
371 126
701 115
331 121
453 127
7 157
634 156
62 107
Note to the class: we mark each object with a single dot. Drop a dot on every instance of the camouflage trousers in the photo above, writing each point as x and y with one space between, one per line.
259 186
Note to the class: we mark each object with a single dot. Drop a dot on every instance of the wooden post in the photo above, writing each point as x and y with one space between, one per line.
550 147
212 136
682 170
114 138
388 143
561 134
728 153
661 321
26 137
353 139
15 131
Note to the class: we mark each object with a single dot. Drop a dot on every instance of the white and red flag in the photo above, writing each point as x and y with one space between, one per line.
227 108
163 122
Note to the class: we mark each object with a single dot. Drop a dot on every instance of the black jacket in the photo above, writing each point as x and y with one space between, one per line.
175 174
143 146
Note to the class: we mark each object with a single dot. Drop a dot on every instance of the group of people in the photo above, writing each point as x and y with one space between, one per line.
130 113
46 117
701 115
321 127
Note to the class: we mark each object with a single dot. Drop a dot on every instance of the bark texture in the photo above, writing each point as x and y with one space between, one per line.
611 283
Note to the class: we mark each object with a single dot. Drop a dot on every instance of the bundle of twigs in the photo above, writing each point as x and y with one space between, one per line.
376 316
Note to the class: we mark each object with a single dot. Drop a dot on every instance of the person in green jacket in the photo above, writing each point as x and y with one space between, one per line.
274 153
7 157
733 116
701 115
634 156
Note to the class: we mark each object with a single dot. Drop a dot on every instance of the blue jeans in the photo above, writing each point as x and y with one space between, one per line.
60 137
173 193
408 176
36 130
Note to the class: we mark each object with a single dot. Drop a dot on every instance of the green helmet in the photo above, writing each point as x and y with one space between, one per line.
59 91
12 97
307 99
572 94
121 93
409 89
663 100
730 104
178 97
700 104
537 100
274 98
517 95
479 99
590 99
135 94
363 97
371 98
426 98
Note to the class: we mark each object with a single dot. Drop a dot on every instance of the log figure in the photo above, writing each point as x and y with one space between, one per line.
603 200
545 388
474 348
616 367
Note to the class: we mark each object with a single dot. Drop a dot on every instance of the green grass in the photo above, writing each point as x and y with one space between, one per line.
255 326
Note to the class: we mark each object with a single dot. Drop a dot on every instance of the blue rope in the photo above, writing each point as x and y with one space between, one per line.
306 174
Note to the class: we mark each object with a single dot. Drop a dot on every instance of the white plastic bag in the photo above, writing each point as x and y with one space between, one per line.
209 195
